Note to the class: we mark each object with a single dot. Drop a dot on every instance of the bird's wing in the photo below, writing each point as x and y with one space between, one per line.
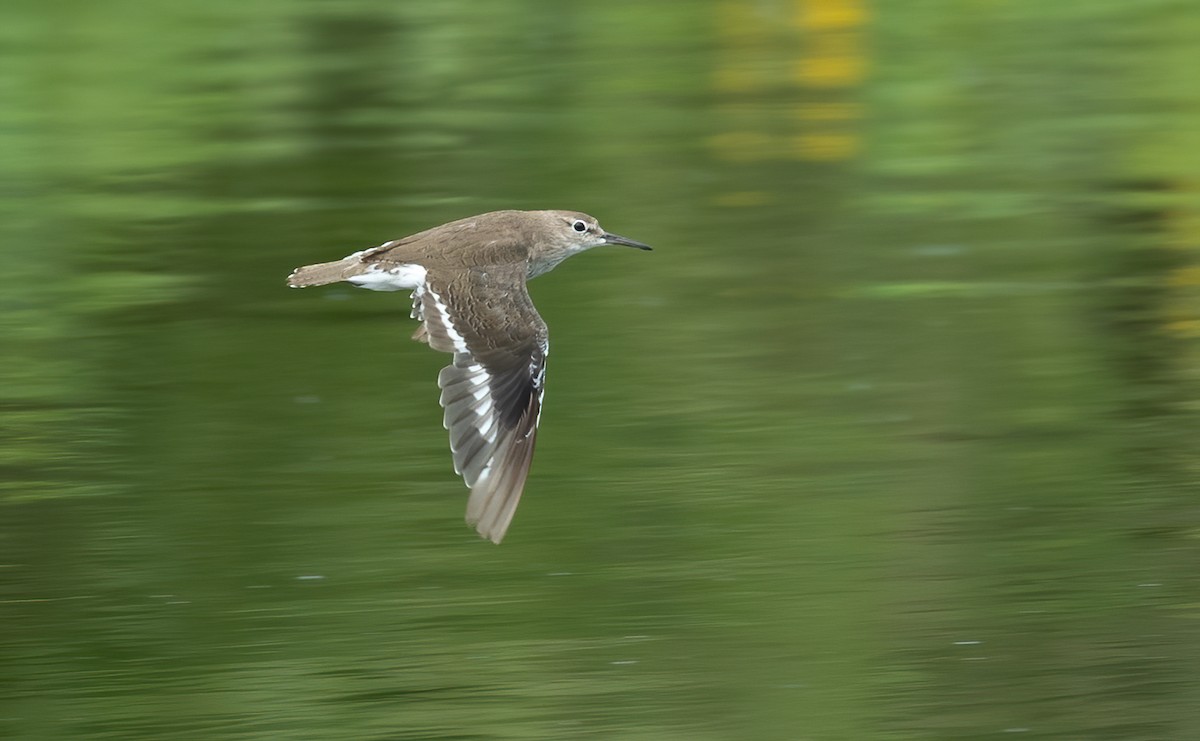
492 391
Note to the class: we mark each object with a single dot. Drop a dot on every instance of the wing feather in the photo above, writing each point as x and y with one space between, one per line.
492 390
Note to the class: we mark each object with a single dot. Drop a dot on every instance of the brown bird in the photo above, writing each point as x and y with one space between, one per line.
468 282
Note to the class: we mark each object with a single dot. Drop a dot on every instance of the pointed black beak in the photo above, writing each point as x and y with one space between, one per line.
610 238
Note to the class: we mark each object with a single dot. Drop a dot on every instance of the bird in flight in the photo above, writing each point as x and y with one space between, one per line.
468 280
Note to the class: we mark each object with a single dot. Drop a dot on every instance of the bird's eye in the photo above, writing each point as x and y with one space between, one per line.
579 225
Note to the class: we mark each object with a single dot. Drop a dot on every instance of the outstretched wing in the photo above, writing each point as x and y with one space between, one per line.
492 391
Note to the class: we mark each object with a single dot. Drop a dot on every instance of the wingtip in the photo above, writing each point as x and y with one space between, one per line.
485 532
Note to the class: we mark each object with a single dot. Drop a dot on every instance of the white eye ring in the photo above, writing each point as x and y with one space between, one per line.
579 225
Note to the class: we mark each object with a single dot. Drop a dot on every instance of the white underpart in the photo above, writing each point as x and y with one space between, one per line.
418 295
538 420
460 344
539 380
399 278
371 250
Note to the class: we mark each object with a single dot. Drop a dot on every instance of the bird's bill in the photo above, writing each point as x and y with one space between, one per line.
610 238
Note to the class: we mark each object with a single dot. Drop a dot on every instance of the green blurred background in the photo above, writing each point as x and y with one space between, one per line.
894 436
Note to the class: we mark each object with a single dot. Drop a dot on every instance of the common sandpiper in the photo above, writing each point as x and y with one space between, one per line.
468 279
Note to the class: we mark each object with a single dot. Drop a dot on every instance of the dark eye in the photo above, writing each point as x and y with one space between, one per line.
579 225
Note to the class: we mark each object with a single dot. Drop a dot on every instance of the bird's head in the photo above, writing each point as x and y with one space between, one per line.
560 234
580 232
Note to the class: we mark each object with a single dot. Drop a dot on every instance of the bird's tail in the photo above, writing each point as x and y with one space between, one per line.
324 272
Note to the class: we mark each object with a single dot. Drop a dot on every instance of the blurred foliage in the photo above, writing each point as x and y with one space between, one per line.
894 436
